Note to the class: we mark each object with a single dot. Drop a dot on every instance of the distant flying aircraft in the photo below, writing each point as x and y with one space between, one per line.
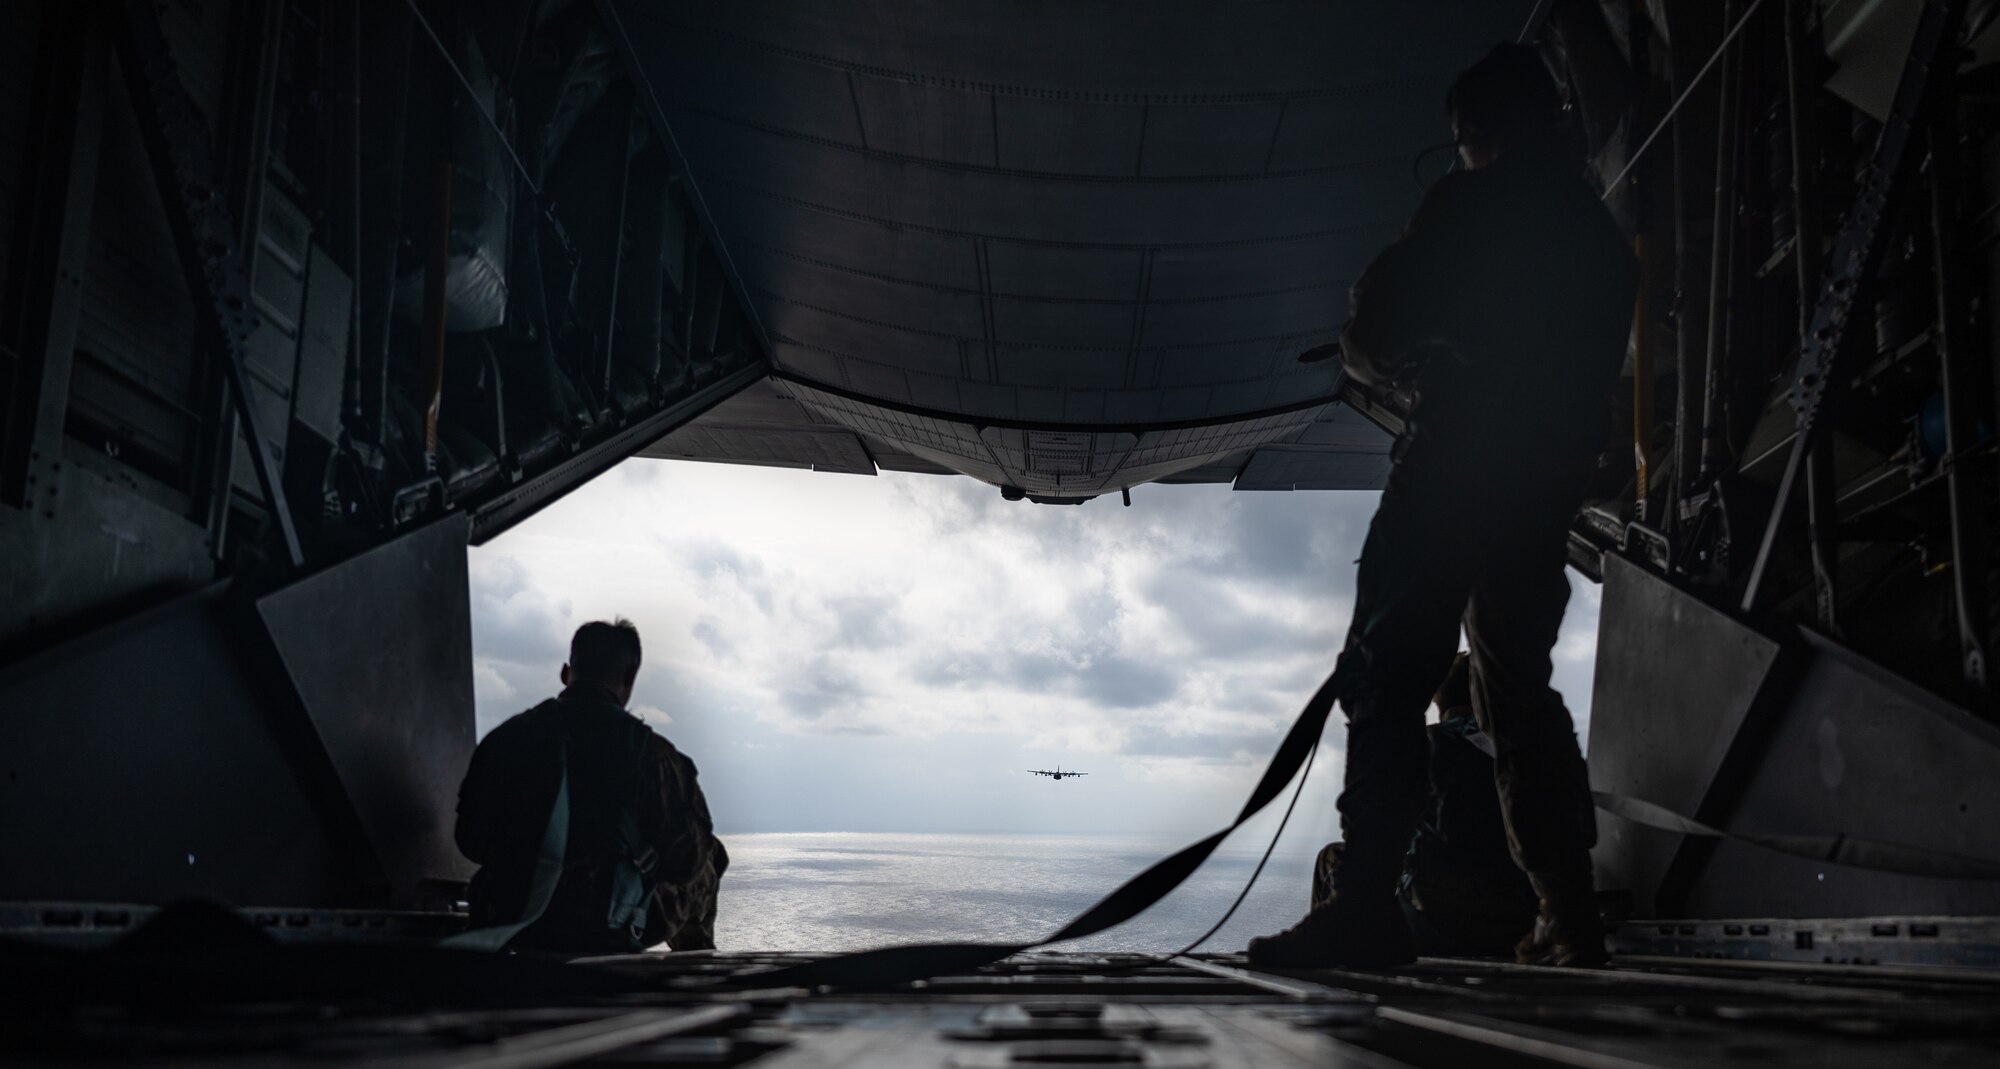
1057 774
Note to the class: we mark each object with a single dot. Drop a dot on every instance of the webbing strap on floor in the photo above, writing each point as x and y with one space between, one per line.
1831 849
899 965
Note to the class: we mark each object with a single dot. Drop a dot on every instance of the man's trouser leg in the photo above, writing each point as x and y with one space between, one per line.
1409 593
1511 624
1401 640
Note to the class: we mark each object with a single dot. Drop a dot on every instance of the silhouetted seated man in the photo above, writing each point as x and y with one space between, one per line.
640 860
1461 892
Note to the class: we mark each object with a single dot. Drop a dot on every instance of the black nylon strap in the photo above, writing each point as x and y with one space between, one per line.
548 859
630 840
889 966
899 965
1840 849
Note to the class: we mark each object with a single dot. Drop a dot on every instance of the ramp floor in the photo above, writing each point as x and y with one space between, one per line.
1081 1009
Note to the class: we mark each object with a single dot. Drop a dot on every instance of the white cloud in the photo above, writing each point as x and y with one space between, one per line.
1577 642
489 687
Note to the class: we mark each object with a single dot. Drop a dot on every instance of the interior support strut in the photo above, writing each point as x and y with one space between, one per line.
1957 373
211 257
1857 254
1802 53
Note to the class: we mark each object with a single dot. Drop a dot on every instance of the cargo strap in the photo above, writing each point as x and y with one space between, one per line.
1831 849
548 869
899 965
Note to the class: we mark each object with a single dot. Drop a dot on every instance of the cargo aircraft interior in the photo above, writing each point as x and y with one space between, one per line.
302 299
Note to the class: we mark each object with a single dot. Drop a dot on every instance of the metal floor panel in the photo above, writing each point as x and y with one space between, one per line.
1074 1009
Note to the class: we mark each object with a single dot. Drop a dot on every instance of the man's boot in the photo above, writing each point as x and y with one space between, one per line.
1372 936
1568 931
1362 926
1553 825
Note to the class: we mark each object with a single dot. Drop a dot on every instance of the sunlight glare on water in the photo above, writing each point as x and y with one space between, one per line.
840 891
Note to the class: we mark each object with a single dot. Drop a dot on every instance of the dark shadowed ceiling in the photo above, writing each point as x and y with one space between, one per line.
1069 245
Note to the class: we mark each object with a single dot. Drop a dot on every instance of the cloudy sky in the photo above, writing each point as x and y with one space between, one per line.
847 653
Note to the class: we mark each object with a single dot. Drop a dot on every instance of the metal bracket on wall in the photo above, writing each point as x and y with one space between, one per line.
518 502
1857 255
191 189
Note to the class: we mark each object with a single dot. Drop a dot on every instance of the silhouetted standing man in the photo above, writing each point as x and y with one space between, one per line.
639 858
1507 305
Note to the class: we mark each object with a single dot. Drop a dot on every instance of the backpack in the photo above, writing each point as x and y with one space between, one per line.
628 883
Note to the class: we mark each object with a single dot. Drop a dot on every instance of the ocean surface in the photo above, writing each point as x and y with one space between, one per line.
849 891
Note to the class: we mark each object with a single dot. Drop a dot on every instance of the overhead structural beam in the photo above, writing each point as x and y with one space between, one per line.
192 192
